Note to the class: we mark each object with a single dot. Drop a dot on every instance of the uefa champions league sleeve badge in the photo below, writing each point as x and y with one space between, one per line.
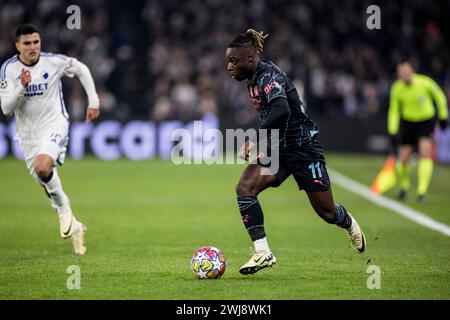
3 84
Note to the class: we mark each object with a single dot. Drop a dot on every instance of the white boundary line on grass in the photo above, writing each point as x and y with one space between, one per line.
365 192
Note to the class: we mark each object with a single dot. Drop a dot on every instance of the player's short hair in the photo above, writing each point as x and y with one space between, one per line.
24 29
251 38
406 62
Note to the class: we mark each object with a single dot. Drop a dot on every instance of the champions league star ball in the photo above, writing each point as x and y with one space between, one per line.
208 263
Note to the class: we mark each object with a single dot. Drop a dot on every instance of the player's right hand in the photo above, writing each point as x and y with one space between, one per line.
244 152
25 77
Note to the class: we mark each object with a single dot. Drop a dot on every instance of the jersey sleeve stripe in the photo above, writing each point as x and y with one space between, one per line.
5 65
53 55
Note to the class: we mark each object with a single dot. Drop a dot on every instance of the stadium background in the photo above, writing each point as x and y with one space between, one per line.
162 63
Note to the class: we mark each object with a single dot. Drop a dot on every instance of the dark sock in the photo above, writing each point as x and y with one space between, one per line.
252 216
46 180
343 220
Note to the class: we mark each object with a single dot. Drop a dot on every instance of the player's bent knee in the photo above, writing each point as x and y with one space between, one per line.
244 190
43 169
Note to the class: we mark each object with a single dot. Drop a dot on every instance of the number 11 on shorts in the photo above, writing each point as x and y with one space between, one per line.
313 167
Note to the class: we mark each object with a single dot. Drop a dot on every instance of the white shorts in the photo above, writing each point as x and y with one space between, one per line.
53 143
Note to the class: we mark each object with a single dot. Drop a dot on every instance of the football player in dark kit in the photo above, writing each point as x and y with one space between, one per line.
300 153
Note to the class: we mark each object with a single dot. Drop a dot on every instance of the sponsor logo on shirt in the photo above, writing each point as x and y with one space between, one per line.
270 86
36 89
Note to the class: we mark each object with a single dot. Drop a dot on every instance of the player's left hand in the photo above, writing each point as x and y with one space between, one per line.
92 114
244 152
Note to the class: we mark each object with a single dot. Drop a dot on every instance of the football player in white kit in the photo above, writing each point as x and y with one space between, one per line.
30 88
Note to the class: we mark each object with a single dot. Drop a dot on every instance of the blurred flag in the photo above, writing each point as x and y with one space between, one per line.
387 178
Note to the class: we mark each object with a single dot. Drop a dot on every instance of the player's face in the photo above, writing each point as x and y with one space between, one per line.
29 47
405 72
239 63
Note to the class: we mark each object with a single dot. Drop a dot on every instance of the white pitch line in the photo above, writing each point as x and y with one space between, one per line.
365 192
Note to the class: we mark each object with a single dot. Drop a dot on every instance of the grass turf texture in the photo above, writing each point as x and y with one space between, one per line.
146 219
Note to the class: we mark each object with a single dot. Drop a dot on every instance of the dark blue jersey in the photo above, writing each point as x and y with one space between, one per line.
298 133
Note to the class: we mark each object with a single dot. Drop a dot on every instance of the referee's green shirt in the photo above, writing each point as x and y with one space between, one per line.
414 102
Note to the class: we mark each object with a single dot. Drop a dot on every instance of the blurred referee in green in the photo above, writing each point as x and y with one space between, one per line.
411 121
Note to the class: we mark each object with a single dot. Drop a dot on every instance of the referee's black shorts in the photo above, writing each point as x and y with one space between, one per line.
411 132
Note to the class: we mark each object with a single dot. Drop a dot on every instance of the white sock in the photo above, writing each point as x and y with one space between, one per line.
261 244
58 198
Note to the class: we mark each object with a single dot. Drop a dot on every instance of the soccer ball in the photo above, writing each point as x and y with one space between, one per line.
208 263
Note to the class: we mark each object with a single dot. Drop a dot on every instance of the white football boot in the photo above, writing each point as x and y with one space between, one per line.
78 238
356 235
260 260
69 226
66 223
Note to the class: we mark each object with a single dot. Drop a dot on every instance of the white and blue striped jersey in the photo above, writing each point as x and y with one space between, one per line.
41 104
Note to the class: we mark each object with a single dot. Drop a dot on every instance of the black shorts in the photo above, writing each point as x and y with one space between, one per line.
410 132
311 176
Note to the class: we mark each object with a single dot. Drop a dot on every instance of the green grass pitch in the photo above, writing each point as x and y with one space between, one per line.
146 219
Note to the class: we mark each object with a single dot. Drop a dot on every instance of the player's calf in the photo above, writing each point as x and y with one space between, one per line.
327 214
253 219
53 187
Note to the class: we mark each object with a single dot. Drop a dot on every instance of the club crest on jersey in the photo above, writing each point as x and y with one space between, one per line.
45 75
3 84
255 97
